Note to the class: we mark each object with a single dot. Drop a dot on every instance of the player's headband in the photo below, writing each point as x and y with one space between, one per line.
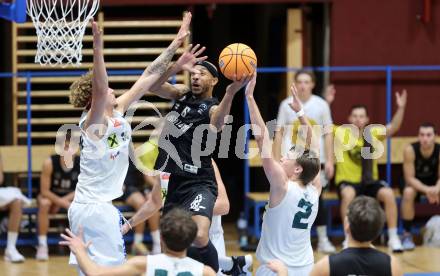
209 66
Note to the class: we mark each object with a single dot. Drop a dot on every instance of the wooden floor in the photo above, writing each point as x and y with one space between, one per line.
421 260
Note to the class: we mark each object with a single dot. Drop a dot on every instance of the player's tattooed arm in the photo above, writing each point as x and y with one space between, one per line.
186 62
154 73
161 63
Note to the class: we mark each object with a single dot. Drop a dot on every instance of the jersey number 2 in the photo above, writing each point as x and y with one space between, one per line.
307 206
163 272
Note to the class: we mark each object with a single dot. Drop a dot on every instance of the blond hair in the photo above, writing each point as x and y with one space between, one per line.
81 90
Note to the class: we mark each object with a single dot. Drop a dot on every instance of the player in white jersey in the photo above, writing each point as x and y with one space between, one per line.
177 230
105 141
234 265
293 200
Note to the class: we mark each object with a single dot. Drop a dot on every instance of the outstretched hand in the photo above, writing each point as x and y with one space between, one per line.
238 84
190 57
401 98
75 243
296 104
97 36
184 28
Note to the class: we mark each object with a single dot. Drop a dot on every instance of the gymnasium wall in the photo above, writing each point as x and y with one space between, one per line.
380 32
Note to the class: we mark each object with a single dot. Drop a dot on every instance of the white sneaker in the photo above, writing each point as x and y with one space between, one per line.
344 244
395 245
42 253
325 246
13 256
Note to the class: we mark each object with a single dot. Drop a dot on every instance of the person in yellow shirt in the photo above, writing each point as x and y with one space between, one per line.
357 147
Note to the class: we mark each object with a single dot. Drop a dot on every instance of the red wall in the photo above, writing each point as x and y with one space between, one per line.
377 32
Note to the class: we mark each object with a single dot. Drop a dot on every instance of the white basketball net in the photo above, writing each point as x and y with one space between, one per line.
60 26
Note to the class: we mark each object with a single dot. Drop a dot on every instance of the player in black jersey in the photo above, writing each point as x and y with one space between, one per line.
57 189
363 224
422 176
186 144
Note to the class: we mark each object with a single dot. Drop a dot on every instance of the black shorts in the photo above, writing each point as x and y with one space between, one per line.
370 190
195 194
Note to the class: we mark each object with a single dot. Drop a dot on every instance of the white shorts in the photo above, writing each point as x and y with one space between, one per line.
101 223
263 270
9 194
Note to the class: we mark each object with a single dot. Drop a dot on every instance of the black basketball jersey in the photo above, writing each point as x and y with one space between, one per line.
426 168
63 181
187 131
360 261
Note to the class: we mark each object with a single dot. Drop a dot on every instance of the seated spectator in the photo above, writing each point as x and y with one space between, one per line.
358 175
57 189
135 195
363 223
421 173
13 200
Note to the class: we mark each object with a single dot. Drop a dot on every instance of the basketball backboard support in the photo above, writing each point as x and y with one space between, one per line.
13 10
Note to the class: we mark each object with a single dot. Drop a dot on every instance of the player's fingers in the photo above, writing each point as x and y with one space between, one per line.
201 58
64 243
199 52
70 232
194 49
244 78
88 244
188 49
67 238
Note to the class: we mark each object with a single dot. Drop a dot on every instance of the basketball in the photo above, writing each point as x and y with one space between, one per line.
238 59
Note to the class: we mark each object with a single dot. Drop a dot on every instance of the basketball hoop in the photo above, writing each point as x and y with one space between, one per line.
60 26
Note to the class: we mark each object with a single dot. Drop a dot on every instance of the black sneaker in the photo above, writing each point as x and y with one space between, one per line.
242 266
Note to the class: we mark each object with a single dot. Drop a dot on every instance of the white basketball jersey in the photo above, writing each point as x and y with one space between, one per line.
164 265
104 163
286 227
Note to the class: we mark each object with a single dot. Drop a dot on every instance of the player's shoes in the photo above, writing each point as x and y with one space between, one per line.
407 242
13 256
242 265
395 245
325 246
42 253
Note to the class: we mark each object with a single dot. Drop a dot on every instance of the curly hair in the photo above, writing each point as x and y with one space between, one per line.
81 90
